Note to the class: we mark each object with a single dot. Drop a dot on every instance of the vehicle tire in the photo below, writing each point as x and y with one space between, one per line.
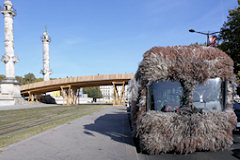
137 144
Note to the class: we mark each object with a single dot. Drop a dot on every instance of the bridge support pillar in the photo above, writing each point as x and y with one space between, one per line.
74 93
66 94
118 100
69 94
33 97
38 96
30 97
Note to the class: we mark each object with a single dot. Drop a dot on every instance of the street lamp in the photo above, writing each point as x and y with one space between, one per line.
208 33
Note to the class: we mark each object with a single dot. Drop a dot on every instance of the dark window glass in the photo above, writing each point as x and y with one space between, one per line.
164 96
209 95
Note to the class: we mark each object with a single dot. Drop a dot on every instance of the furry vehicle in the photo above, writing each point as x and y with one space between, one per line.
181 100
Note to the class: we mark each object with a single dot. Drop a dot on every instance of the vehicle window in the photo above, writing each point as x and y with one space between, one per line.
164 96
208 95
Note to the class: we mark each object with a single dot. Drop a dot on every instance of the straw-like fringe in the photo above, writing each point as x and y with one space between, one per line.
165 132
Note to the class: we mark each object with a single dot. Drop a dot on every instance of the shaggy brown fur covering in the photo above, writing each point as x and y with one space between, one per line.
186 64
191 63
165 132
188 130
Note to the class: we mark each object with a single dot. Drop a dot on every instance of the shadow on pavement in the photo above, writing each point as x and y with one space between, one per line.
115 126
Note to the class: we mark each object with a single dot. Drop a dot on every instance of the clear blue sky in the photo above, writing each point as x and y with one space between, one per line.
106 36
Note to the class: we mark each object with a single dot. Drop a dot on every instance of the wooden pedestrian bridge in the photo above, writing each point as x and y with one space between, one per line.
69 86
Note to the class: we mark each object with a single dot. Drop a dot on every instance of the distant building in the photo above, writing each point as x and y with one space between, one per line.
107 91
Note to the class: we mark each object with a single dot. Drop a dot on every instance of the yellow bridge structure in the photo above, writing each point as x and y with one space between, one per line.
69 86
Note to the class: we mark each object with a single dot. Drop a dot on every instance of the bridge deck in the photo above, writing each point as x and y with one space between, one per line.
75 82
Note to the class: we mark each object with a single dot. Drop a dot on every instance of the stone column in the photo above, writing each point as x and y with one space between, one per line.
46 71
9 58
10 89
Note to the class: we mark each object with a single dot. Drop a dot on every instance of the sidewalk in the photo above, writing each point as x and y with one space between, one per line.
103 135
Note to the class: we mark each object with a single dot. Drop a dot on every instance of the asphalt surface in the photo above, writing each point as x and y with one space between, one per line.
103 135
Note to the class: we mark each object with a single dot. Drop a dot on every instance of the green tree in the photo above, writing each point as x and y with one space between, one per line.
93 92
1 78
29 78
20 79
38 80
230 37
198 44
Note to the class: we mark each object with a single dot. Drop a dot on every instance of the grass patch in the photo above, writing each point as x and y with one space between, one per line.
16 125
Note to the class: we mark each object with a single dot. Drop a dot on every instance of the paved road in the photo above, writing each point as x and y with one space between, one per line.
104 135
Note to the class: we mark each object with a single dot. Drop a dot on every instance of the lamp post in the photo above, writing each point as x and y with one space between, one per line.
208 33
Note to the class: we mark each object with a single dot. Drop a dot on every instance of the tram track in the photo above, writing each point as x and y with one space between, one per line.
35 124
29 120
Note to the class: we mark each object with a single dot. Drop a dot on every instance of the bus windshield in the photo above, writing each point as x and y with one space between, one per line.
208 95
164 96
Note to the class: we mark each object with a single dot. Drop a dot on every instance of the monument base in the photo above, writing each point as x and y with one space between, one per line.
11 89
10 92
10 81
6 100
